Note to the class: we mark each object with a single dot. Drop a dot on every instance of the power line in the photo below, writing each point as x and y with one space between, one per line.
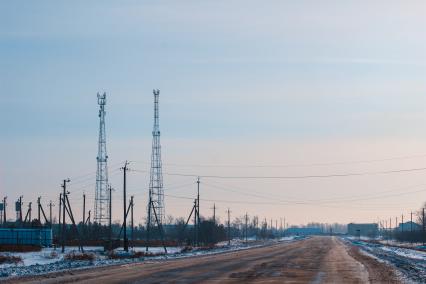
294 177
293 165
326 201
310 202
279 203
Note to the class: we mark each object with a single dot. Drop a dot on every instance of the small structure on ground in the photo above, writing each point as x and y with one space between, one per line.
367 229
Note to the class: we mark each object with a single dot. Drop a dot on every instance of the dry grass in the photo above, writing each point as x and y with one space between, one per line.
79 256
19 248
186 249
10 259
209 247
135 254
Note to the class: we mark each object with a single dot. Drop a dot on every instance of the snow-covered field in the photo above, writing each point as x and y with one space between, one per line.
51 260
410 263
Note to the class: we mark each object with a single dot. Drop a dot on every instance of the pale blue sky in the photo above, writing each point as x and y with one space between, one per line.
242 82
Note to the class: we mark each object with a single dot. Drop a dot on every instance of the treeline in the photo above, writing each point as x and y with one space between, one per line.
176 231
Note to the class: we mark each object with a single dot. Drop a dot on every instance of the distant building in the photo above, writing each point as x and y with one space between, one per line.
408 226
368 230
303 231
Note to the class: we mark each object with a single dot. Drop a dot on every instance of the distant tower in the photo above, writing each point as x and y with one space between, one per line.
101 194
156 193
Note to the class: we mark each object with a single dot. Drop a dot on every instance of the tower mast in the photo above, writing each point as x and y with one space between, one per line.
156 193
101 194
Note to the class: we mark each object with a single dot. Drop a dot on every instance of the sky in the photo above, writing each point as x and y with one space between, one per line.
248 89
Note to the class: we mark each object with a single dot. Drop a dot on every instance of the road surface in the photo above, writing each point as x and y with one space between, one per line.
314 260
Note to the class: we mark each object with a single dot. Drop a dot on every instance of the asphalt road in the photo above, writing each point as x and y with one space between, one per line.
314 260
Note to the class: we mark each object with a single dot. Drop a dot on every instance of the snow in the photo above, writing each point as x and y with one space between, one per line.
410 263
410 253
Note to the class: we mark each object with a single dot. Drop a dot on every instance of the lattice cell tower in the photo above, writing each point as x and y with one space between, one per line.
156 193
101 194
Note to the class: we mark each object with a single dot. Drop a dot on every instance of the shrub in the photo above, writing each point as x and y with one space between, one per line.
79 256
51 255
19 248
186 249
10 259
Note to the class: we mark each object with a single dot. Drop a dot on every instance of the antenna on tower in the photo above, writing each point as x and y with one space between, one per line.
101 194
156 193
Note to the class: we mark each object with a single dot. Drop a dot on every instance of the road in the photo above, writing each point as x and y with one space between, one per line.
314 260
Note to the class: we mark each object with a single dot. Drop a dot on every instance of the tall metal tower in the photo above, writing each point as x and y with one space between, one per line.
101 194
156 193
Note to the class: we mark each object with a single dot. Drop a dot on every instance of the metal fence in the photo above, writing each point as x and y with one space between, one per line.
37 237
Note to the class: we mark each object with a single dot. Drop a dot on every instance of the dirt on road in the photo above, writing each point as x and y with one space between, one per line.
314 260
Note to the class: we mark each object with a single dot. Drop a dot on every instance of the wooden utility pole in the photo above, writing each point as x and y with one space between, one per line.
20 209
131 219
229 227
84 208
246 227
64 193
4 210
214 213
195 223
125 241
423 223
38 209
198 210
60 210
110 216
50 212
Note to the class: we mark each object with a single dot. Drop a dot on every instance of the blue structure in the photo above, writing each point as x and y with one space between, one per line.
368 229
17 236
408 226
303 231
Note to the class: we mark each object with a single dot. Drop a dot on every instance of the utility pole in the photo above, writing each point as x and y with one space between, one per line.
198 209
84 208
60 209
284 228
64 193
229 227
396 225
4 210
246 228
214 213
50 213
195 224
38 209
110 216
29 212
125 243
423 223
131 218
20 209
